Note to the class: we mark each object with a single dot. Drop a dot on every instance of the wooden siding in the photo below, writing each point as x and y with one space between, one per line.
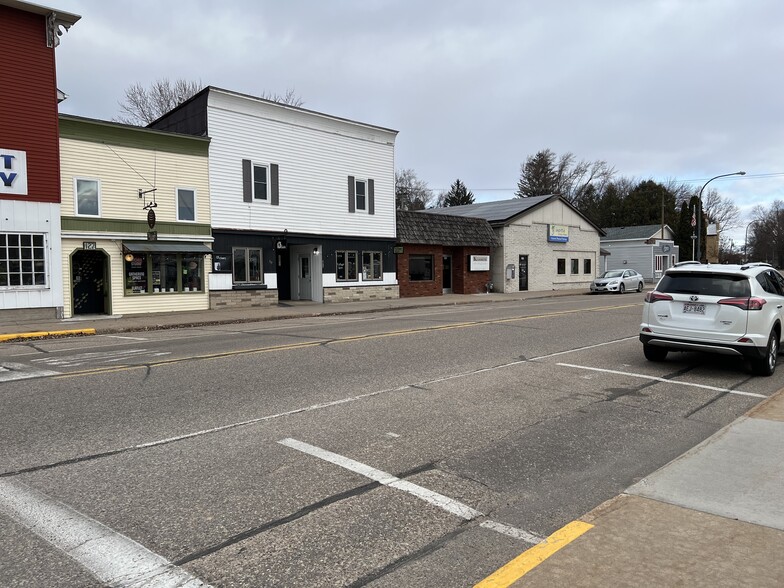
118 301
28 104
315 154
122 171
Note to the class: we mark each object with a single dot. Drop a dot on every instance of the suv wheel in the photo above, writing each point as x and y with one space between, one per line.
765 366
654 353
639 287
621 288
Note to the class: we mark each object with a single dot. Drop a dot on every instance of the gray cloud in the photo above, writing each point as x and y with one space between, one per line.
682 89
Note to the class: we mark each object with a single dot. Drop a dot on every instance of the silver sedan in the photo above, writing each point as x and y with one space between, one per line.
619 281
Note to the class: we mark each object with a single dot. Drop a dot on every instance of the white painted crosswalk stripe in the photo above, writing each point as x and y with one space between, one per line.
111 557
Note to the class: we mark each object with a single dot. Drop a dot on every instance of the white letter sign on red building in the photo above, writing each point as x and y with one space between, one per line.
13 172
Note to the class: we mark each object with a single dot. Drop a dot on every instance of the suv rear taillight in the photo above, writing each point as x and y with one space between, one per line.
753 303
654 296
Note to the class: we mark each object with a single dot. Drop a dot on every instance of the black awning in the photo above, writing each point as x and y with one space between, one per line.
166 247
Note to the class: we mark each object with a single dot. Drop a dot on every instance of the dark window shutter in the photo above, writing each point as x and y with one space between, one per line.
351 195
371 197
247 181
274 184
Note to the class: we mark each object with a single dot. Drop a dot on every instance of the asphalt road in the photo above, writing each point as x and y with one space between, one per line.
422 447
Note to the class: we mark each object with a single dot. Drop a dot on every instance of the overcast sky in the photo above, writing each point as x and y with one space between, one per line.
662 89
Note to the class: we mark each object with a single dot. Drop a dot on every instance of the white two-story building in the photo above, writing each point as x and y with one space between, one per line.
303 203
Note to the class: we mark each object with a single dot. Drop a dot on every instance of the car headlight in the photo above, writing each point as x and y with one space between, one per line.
614 283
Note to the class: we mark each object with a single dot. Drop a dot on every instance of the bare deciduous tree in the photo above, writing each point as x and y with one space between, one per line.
411 193
545 173
144 105
721 210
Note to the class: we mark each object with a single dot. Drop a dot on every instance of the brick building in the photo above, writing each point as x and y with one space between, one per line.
438 254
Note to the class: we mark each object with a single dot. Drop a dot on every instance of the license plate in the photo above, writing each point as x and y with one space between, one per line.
690 308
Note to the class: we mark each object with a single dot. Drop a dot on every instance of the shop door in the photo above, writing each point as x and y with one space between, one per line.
447 275
303 279
88 281
282 269
523 273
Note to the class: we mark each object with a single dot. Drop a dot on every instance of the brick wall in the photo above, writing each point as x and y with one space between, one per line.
242 298
361 293
420 288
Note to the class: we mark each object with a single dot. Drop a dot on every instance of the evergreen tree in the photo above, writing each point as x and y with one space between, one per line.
458 195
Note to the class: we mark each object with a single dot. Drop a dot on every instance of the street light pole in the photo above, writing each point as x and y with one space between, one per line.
699 205
746 243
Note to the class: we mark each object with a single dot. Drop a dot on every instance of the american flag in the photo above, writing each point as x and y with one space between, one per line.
693 219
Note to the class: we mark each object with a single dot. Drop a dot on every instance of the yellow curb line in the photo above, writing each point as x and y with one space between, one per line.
528 560
39 334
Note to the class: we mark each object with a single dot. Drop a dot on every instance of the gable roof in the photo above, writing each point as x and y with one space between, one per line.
502 212
631 233
440 229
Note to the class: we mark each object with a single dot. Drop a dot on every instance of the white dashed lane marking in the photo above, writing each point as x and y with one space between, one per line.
443 502
664 380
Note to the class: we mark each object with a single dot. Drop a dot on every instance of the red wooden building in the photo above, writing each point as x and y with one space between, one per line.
30 265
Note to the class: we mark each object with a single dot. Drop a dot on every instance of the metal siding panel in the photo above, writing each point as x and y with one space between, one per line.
317 165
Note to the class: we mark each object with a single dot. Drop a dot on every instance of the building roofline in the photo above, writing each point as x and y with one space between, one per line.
207 89
110 123
61 17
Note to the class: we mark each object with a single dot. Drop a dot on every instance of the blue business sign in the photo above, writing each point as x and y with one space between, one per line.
558 233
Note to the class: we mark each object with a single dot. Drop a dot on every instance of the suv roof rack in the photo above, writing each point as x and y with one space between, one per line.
755 264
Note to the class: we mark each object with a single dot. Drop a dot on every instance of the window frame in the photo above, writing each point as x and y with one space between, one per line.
76 181
177 196
560 266
152 263
247 281
575 269
365 274
364 207
347 277
6 260
432 267
266 168
587 265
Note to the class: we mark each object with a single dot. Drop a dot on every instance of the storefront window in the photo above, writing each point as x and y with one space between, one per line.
136 274
164 272
191 273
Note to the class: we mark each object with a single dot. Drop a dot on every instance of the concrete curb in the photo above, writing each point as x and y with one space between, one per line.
46 334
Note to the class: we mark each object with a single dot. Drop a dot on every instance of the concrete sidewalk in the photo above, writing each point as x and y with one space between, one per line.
712 517
11 329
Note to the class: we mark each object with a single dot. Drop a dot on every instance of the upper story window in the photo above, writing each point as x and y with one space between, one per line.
361 193
186 204
259 182
87 197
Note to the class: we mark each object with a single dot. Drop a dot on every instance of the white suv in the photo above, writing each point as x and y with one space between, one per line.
727 309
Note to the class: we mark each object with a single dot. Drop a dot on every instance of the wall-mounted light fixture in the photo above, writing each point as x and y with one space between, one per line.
129 257
315 251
